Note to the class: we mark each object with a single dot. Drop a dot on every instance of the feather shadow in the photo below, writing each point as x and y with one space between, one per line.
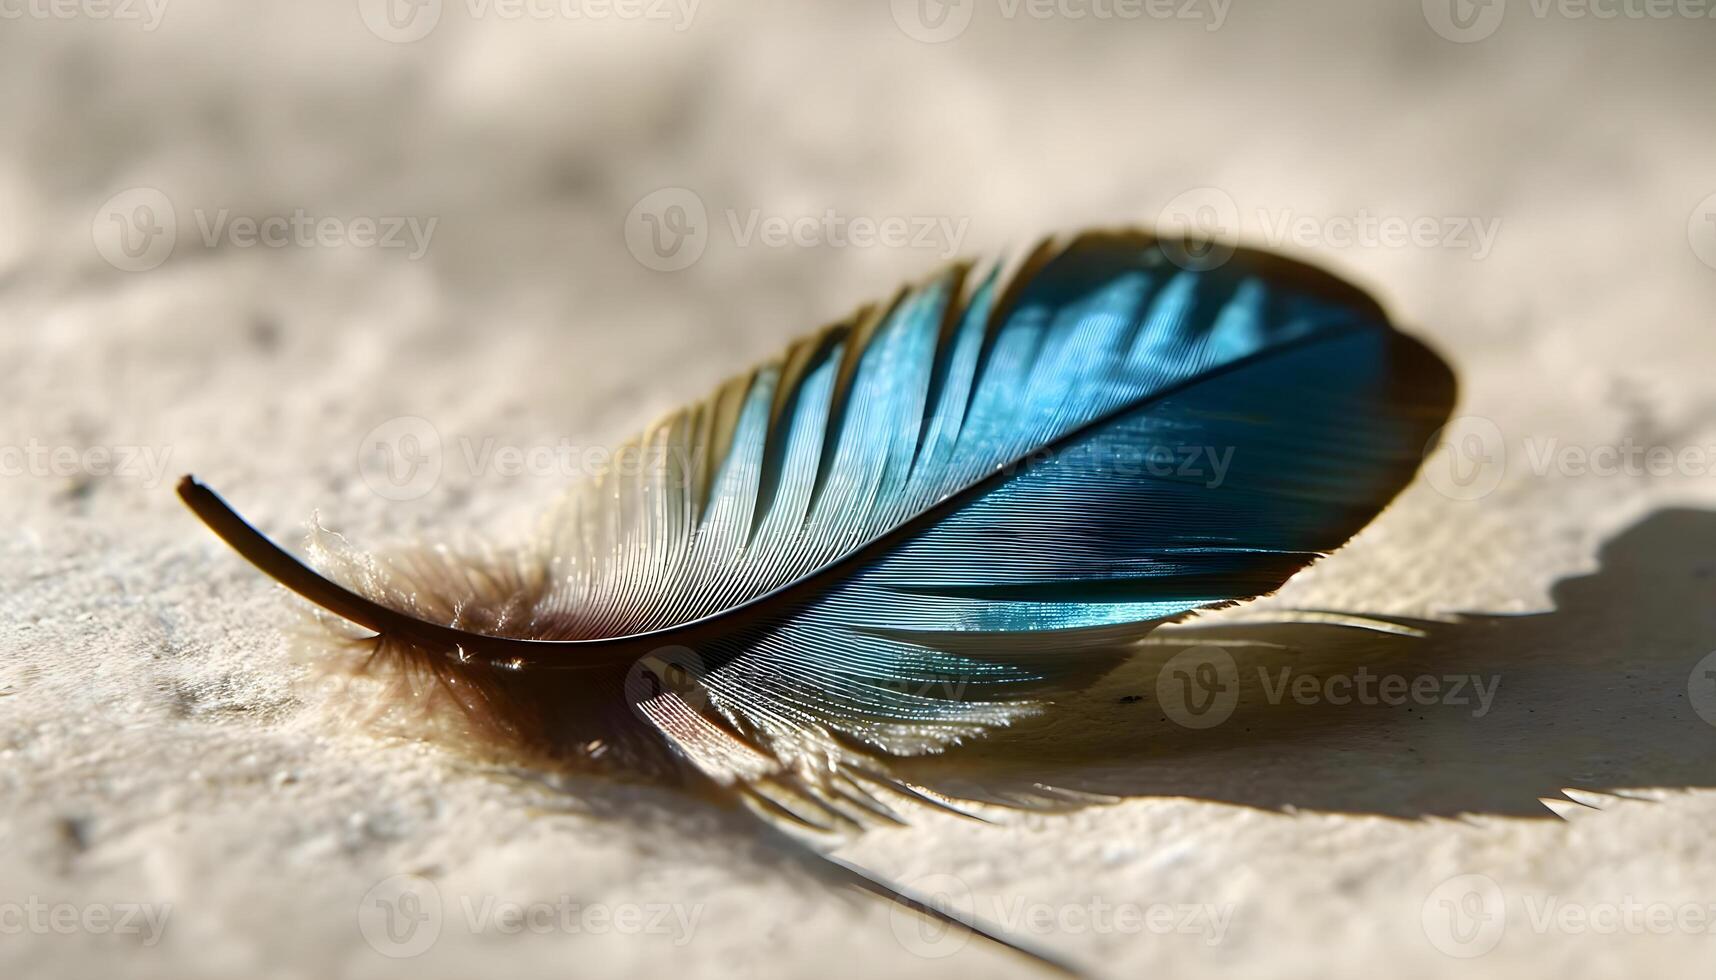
1599 695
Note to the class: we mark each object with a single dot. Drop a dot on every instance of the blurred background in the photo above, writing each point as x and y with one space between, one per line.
271 242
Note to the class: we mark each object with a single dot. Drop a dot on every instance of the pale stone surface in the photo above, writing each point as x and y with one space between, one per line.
158 746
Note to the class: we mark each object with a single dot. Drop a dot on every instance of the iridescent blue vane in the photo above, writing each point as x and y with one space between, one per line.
1126 442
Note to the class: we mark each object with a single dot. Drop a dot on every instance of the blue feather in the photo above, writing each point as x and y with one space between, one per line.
922 522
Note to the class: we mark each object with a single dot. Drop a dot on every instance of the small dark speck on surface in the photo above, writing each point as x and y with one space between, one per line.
78 490
74 834
265 333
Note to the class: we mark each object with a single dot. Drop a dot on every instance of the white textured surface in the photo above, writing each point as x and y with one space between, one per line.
158 745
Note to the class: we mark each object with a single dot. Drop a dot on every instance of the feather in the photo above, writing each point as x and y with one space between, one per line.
913 526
